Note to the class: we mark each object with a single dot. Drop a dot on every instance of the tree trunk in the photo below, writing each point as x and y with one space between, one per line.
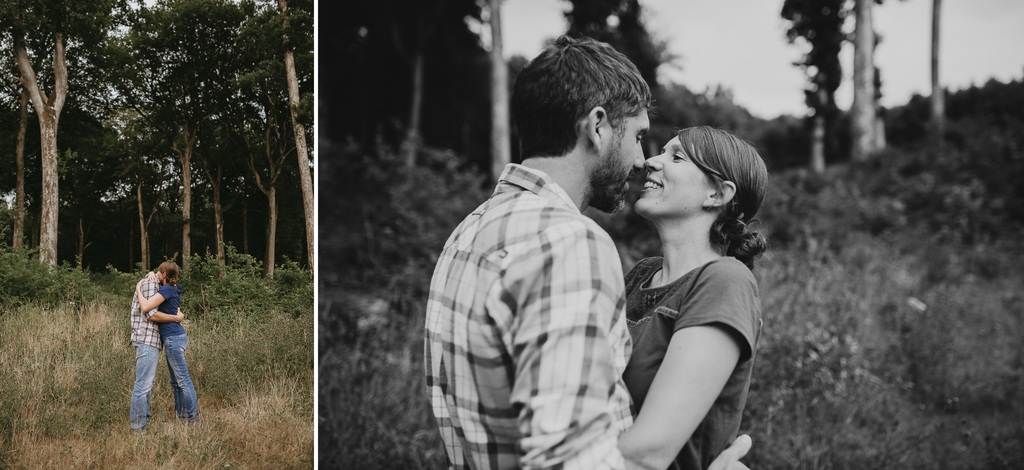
19 162
300 137
412 134
184 151
245 225
880 142
818 143
218 220
218 212
143 233
862 113
938 99
83 233
268 265
48 110
501 151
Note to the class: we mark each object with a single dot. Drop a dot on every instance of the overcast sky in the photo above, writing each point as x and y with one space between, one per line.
741 44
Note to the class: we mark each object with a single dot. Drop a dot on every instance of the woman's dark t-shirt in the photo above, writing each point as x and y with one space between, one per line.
723 293
172 299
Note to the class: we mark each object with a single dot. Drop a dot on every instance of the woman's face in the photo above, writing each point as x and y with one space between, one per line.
675 187
161 276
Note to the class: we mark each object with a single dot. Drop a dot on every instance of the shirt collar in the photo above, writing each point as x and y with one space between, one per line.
535 181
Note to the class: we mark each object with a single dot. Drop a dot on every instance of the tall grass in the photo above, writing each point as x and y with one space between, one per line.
892 338
68 369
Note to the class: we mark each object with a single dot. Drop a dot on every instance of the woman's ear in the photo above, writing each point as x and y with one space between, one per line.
721 196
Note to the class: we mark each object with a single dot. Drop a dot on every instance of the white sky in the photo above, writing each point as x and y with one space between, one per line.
741 44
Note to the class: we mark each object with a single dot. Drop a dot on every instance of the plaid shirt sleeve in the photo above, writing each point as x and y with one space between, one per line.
143 330
569 357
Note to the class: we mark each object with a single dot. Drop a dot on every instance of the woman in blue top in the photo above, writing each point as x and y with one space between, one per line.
167 300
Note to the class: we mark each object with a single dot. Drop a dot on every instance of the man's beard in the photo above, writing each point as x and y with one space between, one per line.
608 184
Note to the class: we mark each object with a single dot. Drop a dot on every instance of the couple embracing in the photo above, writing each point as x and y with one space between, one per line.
538 352
156 324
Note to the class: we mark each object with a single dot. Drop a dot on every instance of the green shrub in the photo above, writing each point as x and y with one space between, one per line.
23 279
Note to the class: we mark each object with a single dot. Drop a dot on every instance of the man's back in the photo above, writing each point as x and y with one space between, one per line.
525 334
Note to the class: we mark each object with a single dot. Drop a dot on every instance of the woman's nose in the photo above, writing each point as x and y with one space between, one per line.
652 164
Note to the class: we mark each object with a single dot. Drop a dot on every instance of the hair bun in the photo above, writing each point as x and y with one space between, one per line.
739 240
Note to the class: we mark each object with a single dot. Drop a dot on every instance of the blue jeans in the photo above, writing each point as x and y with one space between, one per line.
185 403
146 357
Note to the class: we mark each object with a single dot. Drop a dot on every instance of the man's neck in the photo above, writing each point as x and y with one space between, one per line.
570 172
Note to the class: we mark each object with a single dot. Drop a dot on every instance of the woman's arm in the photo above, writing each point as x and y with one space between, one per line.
161 317
696 367
148 304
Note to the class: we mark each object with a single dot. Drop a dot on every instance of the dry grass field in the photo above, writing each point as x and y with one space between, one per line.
67 373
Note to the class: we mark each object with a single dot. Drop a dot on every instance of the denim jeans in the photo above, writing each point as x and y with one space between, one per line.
185 404
146 357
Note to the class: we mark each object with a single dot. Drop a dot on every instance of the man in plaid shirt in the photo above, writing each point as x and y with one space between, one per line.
526 338
525 329
146 339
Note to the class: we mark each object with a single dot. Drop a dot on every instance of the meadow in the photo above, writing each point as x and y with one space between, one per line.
892 296
68 368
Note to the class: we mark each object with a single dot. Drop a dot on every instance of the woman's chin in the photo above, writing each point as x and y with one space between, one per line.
643 208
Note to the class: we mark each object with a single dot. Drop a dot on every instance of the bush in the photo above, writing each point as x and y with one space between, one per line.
23 279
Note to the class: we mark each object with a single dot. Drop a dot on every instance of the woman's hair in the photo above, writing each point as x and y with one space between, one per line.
171 272
725 157
562 84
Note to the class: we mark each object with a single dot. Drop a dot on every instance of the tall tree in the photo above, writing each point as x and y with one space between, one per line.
48 108
501 151
820 24
181 76
938 105
46 28
298 129
863 113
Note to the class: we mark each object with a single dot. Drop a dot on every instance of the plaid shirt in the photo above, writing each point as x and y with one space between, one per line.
526 339
143 330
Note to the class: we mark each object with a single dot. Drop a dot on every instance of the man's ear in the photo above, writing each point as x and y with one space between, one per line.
721 195
595 126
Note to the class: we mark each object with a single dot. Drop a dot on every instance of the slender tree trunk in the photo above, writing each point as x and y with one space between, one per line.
218 212
184 151
245 225
412 134
48 110
143 233
83 233
938 99
218 219
19 162
818 143
268 265
862 113
880 141
501 151
300 137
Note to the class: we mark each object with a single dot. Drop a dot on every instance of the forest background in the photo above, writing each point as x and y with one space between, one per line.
133 132
891 289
